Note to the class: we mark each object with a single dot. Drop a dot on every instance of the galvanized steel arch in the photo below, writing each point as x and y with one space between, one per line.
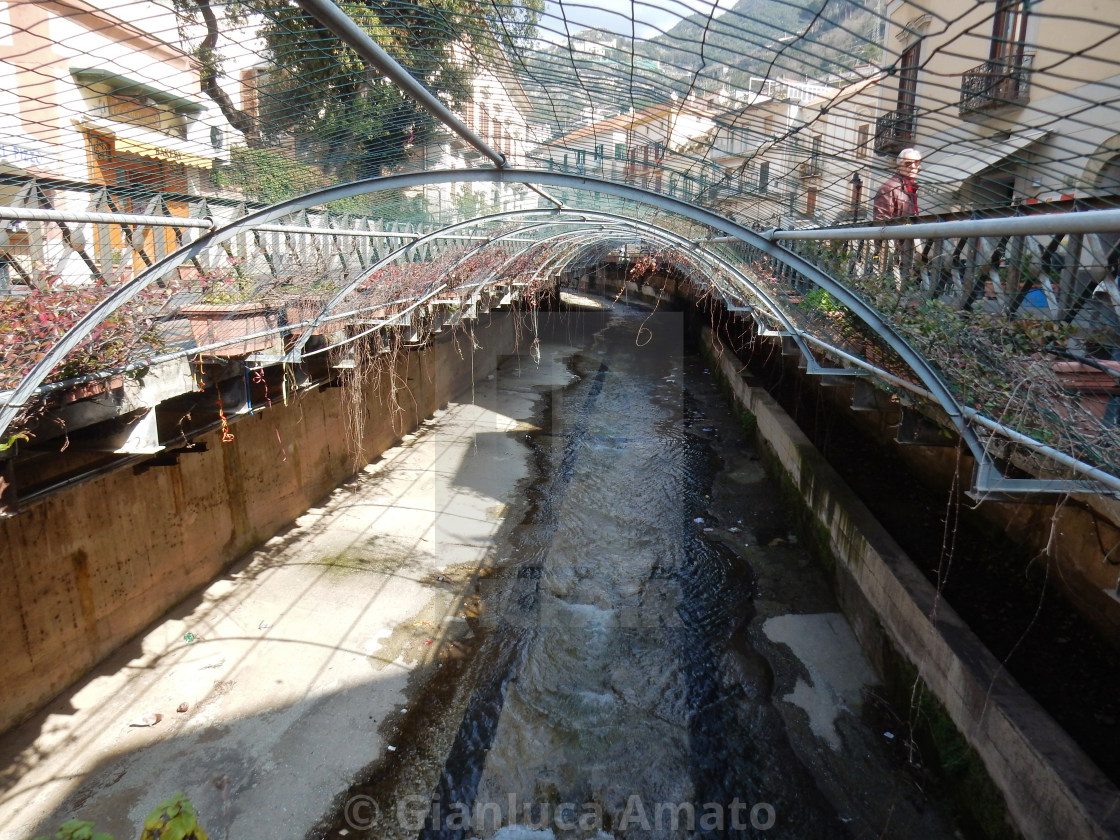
865 313
296 352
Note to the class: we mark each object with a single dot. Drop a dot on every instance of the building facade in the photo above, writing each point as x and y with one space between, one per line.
99 110
1008 100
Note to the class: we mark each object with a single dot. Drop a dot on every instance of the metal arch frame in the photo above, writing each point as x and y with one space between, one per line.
296 349
665 236
296 353
925 372
293 354
617 223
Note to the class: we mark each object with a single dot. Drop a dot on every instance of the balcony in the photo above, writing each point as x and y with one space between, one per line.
809 169
894 131
996 84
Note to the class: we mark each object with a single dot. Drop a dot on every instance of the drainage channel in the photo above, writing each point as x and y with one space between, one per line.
653 655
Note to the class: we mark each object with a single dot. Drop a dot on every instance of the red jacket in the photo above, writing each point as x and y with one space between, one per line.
897 197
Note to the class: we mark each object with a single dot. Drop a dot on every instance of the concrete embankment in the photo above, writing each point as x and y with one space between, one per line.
86 569
918 644
293 666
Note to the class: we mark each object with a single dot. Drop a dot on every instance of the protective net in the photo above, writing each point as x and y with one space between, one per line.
558 139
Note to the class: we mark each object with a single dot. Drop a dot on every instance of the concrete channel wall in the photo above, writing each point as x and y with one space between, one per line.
84 570
1050 786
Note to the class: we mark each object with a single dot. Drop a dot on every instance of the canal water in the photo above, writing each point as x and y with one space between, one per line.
651 654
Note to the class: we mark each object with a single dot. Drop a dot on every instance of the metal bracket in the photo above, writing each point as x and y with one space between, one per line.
988 485
869 398
916 429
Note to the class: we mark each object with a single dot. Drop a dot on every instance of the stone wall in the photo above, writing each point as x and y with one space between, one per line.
87 568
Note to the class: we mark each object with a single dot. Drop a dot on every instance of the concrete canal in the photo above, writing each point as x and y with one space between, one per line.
648 652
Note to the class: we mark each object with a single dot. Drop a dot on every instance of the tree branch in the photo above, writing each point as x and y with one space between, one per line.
243 121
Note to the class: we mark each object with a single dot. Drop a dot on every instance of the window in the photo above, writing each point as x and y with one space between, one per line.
620 151
581 157
863 134
1009 32
1004 79
743 141
599 154
815 152
908 77
764 176
138 110
811 201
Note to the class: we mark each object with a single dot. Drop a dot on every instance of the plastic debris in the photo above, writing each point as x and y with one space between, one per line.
698 519
264 625
889 735
182 708
391 749
147 720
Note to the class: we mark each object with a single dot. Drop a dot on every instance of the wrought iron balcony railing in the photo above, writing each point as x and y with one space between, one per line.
996 84
894 130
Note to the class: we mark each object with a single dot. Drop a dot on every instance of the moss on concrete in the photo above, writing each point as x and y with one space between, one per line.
980 806
978 803
348 562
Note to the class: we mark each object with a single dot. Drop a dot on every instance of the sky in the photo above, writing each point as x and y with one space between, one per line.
616 15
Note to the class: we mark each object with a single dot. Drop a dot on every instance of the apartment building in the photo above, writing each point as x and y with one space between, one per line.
498 113
1009 100
649 148
95 95
794 153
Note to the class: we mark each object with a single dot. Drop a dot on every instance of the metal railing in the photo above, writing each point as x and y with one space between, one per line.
996 84
894 130
43 247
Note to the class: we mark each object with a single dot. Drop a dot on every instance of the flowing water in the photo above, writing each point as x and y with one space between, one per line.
661 659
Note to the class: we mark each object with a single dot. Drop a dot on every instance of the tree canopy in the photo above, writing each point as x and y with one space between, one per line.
319 92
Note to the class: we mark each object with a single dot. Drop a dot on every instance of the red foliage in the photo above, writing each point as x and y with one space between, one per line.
30 325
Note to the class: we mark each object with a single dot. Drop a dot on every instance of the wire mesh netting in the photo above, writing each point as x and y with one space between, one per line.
161 162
